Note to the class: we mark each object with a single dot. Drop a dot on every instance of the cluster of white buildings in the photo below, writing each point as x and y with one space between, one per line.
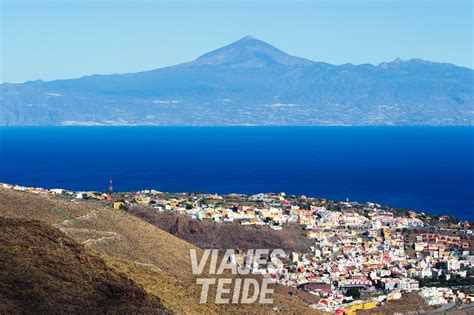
436 296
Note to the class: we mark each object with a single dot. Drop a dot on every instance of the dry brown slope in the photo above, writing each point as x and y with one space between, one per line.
409 303
157 260
223 235
44 271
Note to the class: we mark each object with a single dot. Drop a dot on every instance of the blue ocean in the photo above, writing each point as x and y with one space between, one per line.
427 169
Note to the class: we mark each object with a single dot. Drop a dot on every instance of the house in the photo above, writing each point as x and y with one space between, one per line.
355 283
119 204
389 284
408 284
81 195
318 288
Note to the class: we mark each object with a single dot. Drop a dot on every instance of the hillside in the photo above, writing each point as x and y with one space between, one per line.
250 82
152 258
207 234
43 270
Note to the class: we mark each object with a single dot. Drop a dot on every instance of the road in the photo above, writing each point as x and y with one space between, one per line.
452 307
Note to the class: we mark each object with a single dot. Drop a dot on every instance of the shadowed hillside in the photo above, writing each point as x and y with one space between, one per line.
206 234
43 270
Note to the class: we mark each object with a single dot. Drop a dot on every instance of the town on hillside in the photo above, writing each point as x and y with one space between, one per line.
362 254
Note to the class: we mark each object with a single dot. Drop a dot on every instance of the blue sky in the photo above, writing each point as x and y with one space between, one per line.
67 39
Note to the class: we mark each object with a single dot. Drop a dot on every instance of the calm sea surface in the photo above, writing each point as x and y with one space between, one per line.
423 168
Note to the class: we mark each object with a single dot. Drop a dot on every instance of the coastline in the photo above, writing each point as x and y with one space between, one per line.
424 219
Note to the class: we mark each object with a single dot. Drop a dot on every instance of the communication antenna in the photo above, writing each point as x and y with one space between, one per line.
111 187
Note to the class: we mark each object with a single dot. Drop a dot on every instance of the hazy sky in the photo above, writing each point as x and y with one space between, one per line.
67 39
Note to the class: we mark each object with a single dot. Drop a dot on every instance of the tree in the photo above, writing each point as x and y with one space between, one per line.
354 292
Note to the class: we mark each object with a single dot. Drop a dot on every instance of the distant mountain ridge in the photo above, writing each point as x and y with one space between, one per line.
250 82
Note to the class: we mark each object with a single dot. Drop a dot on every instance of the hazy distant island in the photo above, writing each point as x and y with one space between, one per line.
250 82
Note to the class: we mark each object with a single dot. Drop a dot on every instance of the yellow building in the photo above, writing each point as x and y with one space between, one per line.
352 309
119 205
143 200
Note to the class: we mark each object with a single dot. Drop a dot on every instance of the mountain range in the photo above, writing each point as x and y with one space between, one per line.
250 82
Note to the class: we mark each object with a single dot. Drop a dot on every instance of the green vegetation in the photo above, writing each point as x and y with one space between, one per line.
354 292
455 281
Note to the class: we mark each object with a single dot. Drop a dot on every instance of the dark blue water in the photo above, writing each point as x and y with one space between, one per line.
423 168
